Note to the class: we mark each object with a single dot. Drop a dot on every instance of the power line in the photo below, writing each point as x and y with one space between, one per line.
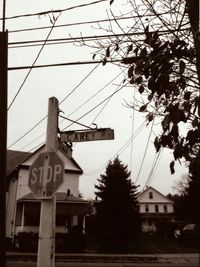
145 152
53 11
89 37
124 146
63 64
46 115
32 66
70 24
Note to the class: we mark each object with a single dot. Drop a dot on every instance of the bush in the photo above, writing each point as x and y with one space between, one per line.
74 241
27 241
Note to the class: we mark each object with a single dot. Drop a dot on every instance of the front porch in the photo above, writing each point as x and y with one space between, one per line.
70 212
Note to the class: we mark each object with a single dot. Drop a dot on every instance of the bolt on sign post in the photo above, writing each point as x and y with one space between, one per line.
45 176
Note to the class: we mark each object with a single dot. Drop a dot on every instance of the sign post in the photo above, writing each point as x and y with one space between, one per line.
46 245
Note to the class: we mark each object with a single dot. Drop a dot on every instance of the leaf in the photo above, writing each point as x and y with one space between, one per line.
157 144
141 89
117 47
104 61
108 52
171 165
136 50
139 80
187 95
150 97
146 30
129 60
132 80
175 132
150 117
94 55
182 66
195 122
178 151
130 71
130 48
111 1
165 123
143 108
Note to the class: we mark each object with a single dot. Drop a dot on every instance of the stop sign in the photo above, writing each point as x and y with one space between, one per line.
46 175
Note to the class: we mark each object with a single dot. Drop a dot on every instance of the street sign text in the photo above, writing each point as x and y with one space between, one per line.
88 135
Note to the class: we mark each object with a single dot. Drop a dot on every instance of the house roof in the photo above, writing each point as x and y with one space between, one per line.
150 188
14 158
60 197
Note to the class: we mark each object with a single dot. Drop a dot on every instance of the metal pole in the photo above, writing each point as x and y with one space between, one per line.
46 246
3 140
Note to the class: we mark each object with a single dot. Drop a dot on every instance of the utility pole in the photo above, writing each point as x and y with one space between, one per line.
46 245
3 140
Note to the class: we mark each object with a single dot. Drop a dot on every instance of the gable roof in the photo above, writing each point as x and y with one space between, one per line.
142 195
14 158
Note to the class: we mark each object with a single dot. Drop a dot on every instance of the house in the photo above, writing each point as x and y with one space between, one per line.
155 208
23 210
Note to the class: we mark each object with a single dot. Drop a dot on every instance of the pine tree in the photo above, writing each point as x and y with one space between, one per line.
193 191
118 221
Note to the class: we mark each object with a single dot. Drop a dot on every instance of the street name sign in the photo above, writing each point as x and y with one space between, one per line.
46 175
87 135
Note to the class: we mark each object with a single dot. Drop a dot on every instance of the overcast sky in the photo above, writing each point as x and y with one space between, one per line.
80 89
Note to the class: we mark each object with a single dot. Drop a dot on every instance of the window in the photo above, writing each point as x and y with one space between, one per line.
150 195
146 208
156 208
165 208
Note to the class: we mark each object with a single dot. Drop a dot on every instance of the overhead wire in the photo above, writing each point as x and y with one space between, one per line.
53 11
145 152
122 149
32 66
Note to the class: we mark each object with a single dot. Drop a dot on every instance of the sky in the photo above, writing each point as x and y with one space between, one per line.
92 92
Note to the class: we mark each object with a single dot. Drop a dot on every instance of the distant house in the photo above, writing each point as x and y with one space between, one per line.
154 208
23 210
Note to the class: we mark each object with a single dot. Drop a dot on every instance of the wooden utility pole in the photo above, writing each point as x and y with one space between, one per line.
46 246
3 140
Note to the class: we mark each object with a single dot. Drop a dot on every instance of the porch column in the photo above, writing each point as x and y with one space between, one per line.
22 219
74 220
83 224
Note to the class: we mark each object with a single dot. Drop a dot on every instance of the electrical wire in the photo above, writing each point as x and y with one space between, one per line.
124 146
63 64
145 152
69 24
59 11
31 67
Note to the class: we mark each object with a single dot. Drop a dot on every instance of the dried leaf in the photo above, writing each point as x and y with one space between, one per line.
143 108
130 71
172 167
130 48
182 66
141 89
108 52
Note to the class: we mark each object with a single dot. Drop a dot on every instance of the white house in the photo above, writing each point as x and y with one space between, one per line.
23 210
154 208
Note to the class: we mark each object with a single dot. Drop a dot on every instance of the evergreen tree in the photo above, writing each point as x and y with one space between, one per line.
193 192
118 221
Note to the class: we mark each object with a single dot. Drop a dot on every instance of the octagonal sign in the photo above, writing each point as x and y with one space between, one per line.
46 175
